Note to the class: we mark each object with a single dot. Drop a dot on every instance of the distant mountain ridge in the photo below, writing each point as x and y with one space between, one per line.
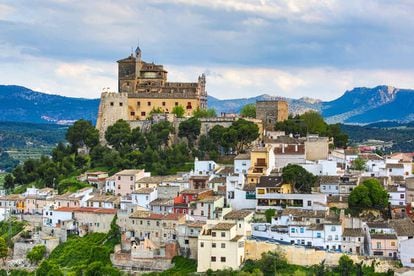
20 104
357 106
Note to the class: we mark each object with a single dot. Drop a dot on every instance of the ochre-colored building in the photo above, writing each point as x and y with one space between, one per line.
148 89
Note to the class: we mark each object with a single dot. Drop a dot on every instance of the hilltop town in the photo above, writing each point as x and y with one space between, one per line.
162 179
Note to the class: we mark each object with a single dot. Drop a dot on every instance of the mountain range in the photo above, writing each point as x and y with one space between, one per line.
357 106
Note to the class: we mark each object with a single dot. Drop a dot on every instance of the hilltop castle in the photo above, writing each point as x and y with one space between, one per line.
143 87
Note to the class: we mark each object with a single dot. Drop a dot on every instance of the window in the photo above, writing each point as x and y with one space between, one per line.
202 212
149 103
336 237
309 203
318 235
292 230
333 228
378 245
223 245
213 258
121 104
163 103
213 234
402 196
392 243
201 244
112 103
223 259
138 103
359 239
148 222
302 230
223 234
213 245
143 113
176 103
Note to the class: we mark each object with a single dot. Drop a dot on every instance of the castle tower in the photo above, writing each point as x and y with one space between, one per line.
271 112
138 53
112 107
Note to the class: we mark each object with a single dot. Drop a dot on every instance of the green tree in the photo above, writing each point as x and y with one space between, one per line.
4 249
345 265
190 129
368 195
9 182
204 113
119 135
358 164
249 110
178 111
244 133
314 122
269 214
82 133
36 254
301 179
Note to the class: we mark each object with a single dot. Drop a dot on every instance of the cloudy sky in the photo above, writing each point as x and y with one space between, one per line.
312 48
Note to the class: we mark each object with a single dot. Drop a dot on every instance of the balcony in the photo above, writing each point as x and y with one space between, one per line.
260 164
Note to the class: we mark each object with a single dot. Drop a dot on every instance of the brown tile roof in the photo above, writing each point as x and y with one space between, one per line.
332 199
270 181
378 224
353 232
249 187
104 198
403 227
380 236
394 166
194 191
218 180
243 156
329 179
236 238
195 224
238 214
129 172
154 216
162 202
143 191
209 199
223 226
304 213
370 156
157 179
87 210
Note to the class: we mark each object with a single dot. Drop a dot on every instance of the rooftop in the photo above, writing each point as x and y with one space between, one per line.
403 227
238 214
243 156
157 179
378 224
270 181
87 210
129 172
210 199
104 198
143 191
353 232
162 202
223 226
381 236
153 216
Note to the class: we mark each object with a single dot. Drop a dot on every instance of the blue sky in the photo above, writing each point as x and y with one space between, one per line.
310 48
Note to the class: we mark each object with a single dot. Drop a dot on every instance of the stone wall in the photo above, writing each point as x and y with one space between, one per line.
112 107
271 112
299 255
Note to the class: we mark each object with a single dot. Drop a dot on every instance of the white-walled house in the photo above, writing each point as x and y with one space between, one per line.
142 197
242 163
204 167
396 195
302 227
110 185
321 167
